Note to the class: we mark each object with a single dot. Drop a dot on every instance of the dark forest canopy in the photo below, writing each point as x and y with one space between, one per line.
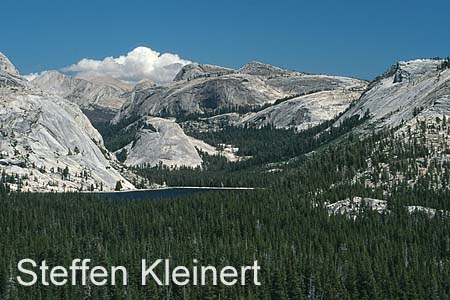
304 253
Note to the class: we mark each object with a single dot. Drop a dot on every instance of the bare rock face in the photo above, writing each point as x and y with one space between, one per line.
407 91
6 65
143 85
161 141
194 70
199 96
88 93
303 112
48 144
298 112
219 95
216 90
261 69
107 81
353 207
10 81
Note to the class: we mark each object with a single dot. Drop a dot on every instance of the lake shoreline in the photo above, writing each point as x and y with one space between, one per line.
175 187
165 192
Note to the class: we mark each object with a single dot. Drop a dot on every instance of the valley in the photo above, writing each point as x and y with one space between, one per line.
338 186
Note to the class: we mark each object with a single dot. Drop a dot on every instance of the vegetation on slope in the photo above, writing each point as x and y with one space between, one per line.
305 253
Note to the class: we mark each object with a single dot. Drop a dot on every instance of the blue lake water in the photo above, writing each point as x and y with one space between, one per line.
163 193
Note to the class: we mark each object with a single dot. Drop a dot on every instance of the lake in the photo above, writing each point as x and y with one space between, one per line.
164 192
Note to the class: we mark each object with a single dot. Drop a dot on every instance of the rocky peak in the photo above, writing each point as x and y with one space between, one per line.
52 74
143 85
108 81
413 69
408 90
266 70
49 143
7 66
87 92
195 70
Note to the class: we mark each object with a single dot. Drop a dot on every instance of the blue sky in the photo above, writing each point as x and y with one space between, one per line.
357 38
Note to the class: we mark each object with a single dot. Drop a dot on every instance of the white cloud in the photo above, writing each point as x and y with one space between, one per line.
138 64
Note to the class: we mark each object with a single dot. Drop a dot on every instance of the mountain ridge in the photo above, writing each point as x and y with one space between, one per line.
7 66
406 90
89 93
49 144
212 89
207 98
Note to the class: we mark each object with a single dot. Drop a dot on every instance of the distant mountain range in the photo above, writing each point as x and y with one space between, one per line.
46 123
256 95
